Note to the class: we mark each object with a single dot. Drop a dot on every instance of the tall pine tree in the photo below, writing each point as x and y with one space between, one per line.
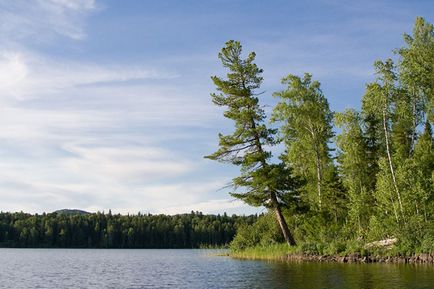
262 182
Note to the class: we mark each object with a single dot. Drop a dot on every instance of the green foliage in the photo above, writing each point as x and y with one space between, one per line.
380 183
306 130
354 167
317 235
262 182
385 194
415 237
244 147
416 68
264 232
380 228
118 231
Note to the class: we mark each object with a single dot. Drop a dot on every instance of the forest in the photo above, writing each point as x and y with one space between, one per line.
334 181
107 230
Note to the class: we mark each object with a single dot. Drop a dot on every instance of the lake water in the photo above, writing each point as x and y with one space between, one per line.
134 269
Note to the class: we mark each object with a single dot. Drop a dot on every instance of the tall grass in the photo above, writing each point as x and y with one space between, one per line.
270 252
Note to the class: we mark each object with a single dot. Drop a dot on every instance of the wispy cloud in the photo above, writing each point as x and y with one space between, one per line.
57 186
213 206
125 164
26 75
43 20
78 133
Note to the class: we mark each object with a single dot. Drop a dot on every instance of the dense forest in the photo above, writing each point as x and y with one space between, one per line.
334 181
67 229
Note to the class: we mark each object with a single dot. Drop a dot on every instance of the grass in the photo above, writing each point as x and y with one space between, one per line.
281 251
214 247
271 252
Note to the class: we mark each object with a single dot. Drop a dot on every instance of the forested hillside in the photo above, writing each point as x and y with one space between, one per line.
372 180
60 230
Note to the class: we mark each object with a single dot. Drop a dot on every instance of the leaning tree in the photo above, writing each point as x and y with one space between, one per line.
261 182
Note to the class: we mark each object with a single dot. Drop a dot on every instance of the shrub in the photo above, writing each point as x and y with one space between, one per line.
264 232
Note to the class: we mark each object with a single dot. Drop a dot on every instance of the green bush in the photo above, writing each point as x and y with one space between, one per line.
264 232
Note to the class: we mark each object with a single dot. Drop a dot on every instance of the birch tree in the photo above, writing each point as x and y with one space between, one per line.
378 102
306 131
416 74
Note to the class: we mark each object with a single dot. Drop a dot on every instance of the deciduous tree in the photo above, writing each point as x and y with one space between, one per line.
306 130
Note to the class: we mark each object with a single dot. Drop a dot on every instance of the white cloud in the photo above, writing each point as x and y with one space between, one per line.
13 71
95 136
77 5
41 20
125 164
33 127
212 206
47 190
79 135
26 75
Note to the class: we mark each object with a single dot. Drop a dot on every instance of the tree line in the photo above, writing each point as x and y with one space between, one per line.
372 180
107 230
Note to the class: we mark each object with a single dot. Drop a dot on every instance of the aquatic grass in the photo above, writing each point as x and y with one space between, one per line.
270 252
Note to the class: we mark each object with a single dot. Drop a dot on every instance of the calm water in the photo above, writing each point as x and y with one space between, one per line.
63 268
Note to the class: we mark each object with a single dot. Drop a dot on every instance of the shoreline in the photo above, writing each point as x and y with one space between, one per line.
423 258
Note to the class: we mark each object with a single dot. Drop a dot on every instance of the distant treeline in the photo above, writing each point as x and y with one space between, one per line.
107 230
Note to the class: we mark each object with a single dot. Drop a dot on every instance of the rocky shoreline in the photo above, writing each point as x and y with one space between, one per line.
357 258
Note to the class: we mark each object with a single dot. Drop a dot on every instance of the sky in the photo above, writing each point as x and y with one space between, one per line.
106 104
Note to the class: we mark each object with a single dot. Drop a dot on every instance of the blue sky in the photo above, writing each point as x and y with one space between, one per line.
105 104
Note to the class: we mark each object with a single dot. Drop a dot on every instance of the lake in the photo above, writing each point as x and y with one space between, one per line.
134 269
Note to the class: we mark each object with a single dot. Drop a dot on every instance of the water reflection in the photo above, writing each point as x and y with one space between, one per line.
190 269
357 276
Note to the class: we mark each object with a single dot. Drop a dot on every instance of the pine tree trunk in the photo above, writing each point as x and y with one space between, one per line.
281 220
276 206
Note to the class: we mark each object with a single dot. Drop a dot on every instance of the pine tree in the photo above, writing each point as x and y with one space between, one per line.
264 183
423 159
375 148
354 166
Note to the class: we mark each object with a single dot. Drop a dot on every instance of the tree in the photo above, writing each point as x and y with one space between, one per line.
378 102
354 166
117 231
374 139
246 146
416 74
306 130
423 159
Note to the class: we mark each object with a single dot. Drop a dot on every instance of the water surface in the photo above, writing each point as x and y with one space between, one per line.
134 269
